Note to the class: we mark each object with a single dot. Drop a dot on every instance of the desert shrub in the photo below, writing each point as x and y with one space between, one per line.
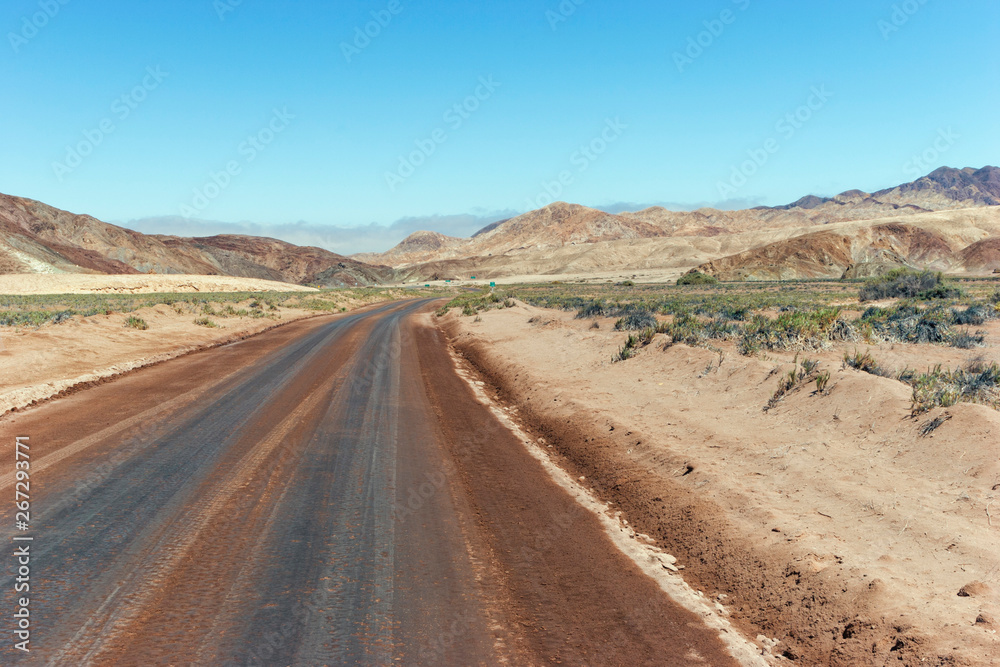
720 329
995 297
966 340
941 291
634 321
627 351
864 362
843 331
697 278
790 330
909 324
34 318
628 283
595 308
802 372
974 315
134 322
474 303
907 284
688 329
738 313
976 382
205 322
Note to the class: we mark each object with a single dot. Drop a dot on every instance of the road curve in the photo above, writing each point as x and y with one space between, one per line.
327 493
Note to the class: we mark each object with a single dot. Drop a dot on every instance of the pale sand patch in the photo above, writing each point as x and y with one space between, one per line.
75 283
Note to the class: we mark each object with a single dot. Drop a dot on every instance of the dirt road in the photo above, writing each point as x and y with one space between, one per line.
326 493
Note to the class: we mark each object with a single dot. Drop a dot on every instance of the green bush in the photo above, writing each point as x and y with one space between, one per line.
697 278
908 284
134 322
636 321
976 382
627 351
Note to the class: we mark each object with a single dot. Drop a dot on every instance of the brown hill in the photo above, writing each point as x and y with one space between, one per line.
937 241
271 259
982 256
540 233
417 247
36 238
665 258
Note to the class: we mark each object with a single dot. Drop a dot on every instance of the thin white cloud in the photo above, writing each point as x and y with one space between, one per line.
343 240
379 238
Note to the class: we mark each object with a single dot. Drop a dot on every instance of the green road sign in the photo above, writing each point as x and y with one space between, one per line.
493 284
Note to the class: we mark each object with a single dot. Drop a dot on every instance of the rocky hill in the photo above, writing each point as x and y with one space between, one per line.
548 240
36 238
926 223
962 241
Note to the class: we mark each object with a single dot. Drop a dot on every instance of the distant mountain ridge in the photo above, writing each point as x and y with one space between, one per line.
929 223
37 238
561 224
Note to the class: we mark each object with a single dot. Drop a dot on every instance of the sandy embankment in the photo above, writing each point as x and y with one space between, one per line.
829 522
37 364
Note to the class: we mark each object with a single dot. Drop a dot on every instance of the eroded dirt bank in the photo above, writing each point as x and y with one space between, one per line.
828 523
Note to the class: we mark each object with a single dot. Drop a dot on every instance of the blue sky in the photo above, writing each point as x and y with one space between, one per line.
276 117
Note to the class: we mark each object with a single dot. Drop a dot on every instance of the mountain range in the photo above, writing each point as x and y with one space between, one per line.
948 220
36 238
